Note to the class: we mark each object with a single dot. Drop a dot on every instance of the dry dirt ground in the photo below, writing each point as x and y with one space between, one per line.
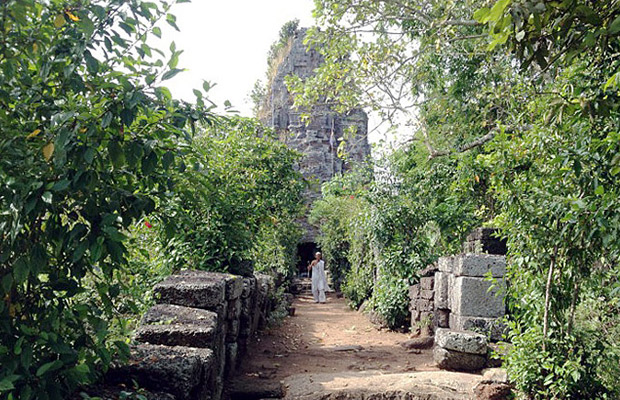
329 338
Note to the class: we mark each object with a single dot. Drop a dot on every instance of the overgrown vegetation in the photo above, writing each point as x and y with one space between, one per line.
107 184
513 112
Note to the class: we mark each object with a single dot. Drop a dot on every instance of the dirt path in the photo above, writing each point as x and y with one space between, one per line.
329 338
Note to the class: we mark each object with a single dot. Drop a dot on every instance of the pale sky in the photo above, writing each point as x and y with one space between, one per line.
226 42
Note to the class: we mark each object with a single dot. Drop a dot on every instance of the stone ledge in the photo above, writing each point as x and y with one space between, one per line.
461 341
180 371
479 265
457 361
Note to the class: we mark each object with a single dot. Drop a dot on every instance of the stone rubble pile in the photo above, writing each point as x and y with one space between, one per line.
466 295
460 351
192 340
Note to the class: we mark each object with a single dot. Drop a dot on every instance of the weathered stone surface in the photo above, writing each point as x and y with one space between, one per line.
427 294
457 361
485 240
111 392
317 138
491 327
441 290
424 305
249 287
181 371
425 342
231 358
377 385
445 264
234 286
196 289
479 265
429 271
475 297
494 385
233 331
427 283
442 318
254 389
173 325
461 341
234 309
414 291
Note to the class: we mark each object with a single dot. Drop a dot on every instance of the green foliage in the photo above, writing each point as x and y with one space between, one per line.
242 192
107 184
514 107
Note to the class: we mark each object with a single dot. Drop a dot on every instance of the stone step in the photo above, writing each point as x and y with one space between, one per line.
183 372
199 289
173 325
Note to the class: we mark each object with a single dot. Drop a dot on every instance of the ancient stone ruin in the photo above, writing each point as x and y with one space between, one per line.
461 302
194 338
317 138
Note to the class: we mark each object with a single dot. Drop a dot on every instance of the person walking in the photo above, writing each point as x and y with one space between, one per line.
319 281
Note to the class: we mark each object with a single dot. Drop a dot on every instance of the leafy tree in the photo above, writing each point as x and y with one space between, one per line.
515 104
88 142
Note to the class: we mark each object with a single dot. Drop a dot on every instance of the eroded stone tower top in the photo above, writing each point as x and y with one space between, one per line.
317 139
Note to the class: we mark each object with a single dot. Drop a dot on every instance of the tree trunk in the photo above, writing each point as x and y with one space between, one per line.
548 298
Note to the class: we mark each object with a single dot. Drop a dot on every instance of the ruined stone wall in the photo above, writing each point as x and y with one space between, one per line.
457 294
193 339
318 139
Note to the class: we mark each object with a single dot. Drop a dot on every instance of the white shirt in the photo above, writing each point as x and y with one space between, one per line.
318 276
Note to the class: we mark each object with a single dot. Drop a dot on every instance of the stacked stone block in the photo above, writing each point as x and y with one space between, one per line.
465 295
422 306
191 341
485 241
460 351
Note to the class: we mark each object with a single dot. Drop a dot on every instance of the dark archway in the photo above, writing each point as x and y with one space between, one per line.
305 254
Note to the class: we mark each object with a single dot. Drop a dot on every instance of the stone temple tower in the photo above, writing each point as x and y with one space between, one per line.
318 138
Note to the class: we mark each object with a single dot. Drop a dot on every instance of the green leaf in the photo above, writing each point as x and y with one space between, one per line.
61 185
600 190
116 154
21 269
614 27
49 367
481 14
171 74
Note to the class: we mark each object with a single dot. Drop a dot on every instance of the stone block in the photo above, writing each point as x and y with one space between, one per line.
231 358
233 331
249 287
441 290
445 264
491 327
442 318
180 371
197 289
234 309
414 292
415 315
454 360
427 294
424 305
429 271
479 265
427 283
477 297
461 341
173 325
234 286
